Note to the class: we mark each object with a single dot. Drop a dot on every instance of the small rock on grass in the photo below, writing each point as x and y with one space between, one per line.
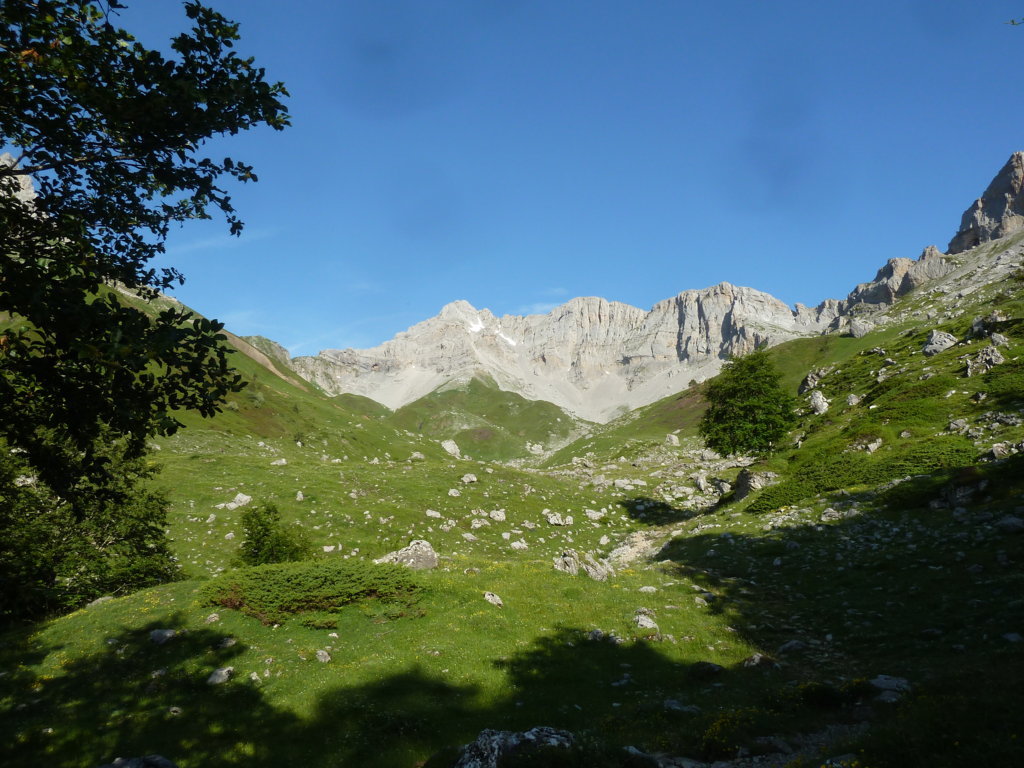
493 599
220 675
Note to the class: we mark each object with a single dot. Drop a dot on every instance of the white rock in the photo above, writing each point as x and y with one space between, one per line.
493 599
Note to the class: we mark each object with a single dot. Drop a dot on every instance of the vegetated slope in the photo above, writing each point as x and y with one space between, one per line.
772 612
487 422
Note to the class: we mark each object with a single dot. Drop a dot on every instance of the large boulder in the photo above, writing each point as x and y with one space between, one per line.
938 341
419 556
747 482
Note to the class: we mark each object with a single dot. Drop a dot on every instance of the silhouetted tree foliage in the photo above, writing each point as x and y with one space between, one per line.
111 135
748 411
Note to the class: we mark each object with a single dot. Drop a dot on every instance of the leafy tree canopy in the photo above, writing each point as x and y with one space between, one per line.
111 134
748 411
103 145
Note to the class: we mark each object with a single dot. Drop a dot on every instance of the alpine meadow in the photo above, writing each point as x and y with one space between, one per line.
722 532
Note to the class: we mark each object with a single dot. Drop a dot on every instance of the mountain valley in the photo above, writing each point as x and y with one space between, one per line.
852 599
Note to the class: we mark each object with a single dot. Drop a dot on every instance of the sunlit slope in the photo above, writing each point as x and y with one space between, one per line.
487 422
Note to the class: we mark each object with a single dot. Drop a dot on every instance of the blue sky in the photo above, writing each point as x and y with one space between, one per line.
517 153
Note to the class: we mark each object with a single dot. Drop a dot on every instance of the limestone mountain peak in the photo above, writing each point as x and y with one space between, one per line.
998 212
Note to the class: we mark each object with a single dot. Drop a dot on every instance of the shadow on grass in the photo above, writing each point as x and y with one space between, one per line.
135 698
655 512
929 595
922 594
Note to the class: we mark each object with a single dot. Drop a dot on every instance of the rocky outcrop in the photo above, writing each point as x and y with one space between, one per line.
998 212
898 278
590 356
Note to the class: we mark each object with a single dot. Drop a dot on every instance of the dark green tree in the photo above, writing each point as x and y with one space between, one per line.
111 134
267 540
106 146
748 411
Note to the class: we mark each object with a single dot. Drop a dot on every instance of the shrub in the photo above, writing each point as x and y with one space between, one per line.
267 540
314 589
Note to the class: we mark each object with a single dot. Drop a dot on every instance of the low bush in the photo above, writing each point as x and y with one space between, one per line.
273 593
267 540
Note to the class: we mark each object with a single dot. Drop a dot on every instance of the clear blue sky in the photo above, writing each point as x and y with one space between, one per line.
517 153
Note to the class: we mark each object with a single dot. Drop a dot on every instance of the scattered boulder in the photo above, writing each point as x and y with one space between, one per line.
568 562
644 619
452 448
672 440
984 361
859 327
323 656
938 341
220 675
793 646
161 636
818 402
747 482
852 399
502 748
279 463
493 599
468 478
812 379
418 555
417 456
1010 524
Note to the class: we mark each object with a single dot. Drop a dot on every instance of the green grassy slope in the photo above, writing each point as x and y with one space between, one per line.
486 422
853 564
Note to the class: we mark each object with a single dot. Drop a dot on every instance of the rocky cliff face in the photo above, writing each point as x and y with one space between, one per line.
597 358
998 212
590 356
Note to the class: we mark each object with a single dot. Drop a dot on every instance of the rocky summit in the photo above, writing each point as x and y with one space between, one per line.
597 359
998 212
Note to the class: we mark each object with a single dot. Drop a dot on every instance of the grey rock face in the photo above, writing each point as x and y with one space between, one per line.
998 212
897 278
589 356
419 556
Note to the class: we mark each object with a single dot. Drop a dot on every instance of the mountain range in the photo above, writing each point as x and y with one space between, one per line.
597 359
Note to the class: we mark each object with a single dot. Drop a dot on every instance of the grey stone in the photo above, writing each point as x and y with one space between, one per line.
793 646
987 359
323 656
500 748
493 599
938 341
418 555
161 636
149 761
890 683
451 447
747 482
818 402
220 675
859 327
1010 524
